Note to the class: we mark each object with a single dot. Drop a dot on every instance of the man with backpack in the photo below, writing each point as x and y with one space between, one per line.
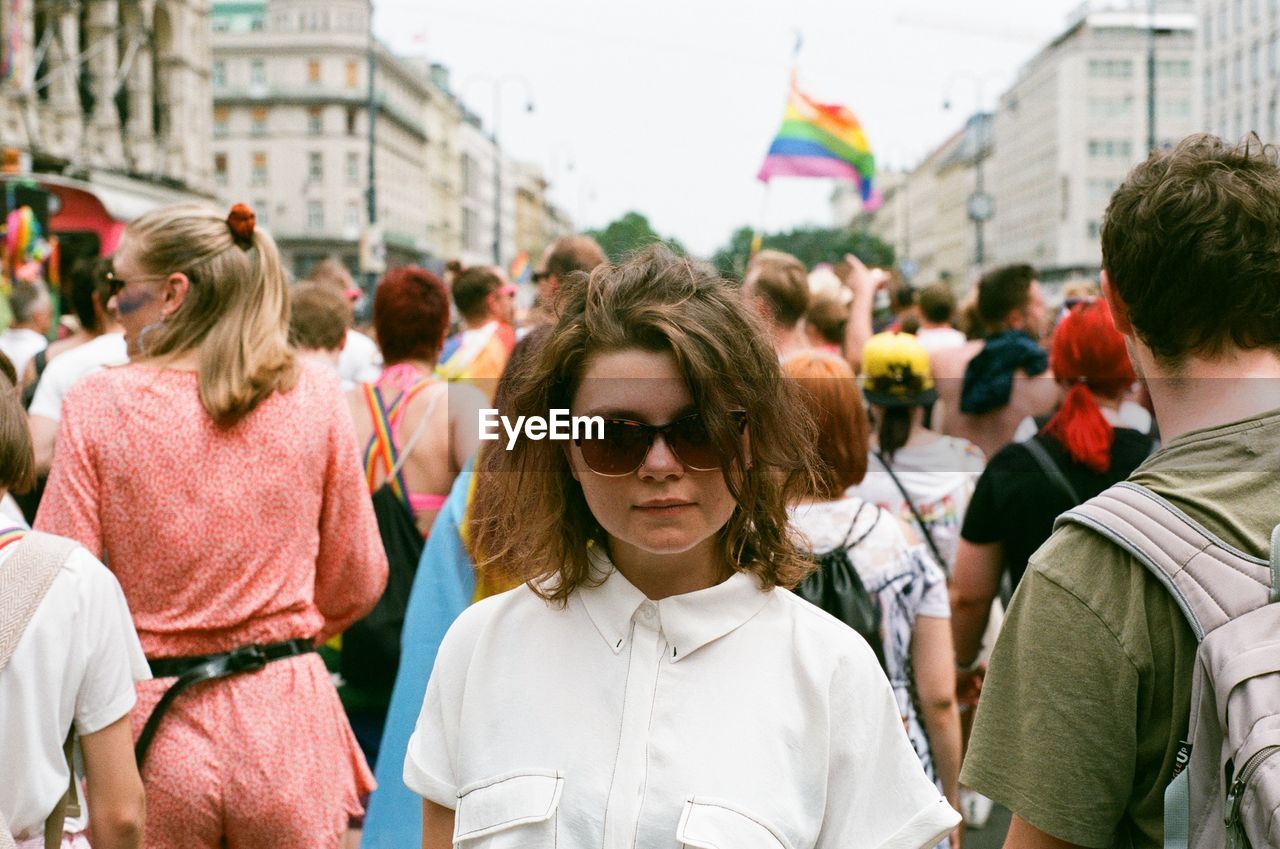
1085 722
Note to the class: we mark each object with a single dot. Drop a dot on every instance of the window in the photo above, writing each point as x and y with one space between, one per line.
1238 70
262 211
353 75
221 120
259 176
257 73
221 24
351 120
313 71
315 165
1100 191
1175 107
1111 68
315 121
220 168
1110 107
1273 55
218 74
1255 62
258 121
1094 228
1110 148
353 168
315 215
353 215
1175 68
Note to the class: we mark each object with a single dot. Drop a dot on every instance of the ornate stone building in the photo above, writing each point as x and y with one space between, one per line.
113 92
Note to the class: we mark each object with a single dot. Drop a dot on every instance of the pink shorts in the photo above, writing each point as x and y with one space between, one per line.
259 760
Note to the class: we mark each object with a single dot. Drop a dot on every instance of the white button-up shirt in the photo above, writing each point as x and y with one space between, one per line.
729 717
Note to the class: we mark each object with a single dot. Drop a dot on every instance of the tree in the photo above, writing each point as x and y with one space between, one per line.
810 245
628 234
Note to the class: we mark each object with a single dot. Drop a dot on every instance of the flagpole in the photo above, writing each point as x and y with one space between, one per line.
757 239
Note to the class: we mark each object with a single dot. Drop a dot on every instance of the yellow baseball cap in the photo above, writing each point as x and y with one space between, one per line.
895 371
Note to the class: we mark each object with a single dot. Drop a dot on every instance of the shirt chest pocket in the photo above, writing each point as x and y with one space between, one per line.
516 810
714 824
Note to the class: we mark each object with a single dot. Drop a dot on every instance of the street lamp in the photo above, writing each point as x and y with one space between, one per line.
980 206
497 85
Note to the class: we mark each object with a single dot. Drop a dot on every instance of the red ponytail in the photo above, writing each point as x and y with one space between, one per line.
1088 351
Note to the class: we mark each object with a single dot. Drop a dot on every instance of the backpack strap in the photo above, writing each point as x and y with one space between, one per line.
1051 469
1211 581
915 513
24 582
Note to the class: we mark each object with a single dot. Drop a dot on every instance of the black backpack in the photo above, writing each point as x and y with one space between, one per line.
371 647
836 587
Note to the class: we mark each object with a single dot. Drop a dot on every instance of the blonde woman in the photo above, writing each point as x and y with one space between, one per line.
218 477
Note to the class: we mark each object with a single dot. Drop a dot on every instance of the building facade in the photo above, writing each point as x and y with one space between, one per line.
1075 122
1239 67
111 93
291 130
925 215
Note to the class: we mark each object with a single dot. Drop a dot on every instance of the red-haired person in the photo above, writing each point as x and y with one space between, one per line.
1080 452
416 432
895 567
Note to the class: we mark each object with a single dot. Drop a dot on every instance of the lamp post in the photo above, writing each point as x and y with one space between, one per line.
1151 75
980 206
497 85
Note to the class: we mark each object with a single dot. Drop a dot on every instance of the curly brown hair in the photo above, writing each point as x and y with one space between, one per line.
1189 245
531 516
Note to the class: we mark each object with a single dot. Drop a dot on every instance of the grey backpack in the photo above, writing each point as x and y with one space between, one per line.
25 578
1226 789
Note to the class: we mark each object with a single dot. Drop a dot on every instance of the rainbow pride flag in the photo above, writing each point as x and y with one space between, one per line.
521 271
820 140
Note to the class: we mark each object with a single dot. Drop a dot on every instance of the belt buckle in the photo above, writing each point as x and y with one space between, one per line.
248 658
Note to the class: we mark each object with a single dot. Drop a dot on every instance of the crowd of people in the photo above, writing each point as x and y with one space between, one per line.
814 581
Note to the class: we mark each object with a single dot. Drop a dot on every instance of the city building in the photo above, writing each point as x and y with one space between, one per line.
538 222
105 106
927 215
1076 120
480 158
1239 68
291 131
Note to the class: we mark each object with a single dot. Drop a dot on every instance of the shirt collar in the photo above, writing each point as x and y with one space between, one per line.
689 621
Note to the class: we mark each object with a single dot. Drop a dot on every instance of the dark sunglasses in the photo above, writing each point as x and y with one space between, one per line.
626 444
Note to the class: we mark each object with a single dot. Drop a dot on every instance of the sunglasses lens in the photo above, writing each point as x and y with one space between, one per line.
692 443
620 452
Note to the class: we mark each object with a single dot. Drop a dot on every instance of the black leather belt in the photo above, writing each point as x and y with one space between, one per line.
192 670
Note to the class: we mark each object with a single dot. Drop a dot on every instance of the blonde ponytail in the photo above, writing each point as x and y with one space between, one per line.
235 314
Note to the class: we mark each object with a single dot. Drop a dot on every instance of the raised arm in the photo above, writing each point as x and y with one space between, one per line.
863 282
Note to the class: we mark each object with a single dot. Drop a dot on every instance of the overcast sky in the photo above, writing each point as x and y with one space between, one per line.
668 106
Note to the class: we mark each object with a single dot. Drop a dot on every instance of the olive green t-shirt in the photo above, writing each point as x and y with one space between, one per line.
1089 689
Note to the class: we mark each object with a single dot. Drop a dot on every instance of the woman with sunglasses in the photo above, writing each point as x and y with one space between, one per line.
218 478
654 683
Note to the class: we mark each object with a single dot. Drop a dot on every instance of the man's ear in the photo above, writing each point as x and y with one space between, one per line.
176 287
1119 309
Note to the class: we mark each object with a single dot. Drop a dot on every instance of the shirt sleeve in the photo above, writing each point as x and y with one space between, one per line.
431 761
47 401
113 656
982 518
934 599
877 791
351 567
70 505
1054 739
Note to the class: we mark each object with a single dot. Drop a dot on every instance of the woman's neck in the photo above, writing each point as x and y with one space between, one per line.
661 576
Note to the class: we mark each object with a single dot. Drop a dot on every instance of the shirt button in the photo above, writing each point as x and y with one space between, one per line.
648 612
